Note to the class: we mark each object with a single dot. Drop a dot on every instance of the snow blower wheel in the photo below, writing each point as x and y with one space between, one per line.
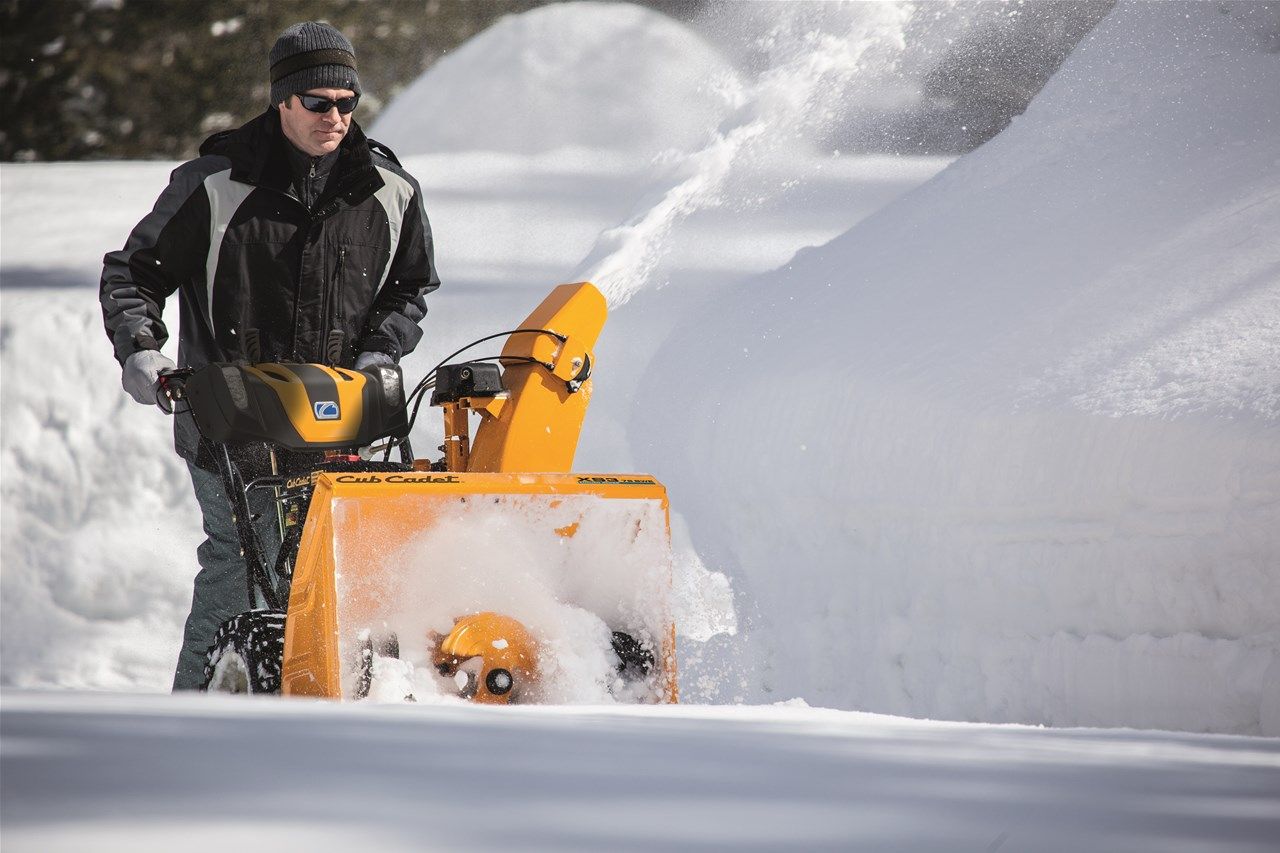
385 646
635 662
247 654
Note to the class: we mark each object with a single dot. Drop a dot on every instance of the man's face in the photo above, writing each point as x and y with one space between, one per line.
315 133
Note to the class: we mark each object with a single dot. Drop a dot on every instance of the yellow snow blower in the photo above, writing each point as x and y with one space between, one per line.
493 573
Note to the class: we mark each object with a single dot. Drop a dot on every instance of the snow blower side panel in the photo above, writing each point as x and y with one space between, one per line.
311 623
573 557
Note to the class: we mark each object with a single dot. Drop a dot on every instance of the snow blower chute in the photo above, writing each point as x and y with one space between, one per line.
493 573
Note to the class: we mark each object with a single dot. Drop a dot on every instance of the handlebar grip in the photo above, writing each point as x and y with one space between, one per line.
170 387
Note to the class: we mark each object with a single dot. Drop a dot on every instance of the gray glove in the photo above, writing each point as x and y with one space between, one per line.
142 372
365 360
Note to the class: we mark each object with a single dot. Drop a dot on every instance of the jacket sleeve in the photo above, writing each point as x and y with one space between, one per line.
169 246
393 326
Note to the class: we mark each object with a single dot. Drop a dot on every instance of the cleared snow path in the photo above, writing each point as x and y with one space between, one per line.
111 772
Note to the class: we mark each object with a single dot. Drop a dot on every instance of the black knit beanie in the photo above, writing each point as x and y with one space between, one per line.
312 55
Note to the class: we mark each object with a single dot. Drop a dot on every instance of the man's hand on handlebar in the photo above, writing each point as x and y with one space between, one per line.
170 388
141 375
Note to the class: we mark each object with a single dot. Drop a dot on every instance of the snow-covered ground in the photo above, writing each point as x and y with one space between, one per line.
116 773
1003 447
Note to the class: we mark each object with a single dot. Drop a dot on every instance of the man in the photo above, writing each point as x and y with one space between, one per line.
293 238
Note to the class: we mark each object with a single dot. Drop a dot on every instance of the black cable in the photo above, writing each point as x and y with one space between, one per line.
428 383
421 386
419 391
519 359
418 394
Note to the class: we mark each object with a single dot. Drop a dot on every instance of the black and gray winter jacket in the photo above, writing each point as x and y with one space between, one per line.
261 276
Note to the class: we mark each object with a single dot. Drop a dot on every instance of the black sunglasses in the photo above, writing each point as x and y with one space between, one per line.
317 104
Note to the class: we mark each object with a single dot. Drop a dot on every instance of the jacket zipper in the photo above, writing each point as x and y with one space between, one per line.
315 216
297 288
337 289
330 313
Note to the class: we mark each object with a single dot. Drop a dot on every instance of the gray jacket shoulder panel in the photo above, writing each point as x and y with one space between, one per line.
137 279
200 168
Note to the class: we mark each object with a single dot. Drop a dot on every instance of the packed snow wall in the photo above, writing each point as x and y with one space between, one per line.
589 76
1009 450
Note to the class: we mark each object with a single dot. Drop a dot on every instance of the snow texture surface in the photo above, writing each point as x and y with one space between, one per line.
1001 445
996 440
402 778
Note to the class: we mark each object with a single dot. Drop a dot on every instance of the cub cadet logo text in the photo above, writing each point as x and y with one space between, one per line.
614 481
396 478
326 410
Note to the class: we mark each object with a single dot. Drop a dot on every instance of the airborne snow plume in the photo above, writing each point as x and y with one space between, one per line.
811 71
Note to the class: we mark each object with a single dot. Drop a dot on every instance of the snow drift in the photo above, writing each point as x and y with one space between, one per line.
1009 450
577 75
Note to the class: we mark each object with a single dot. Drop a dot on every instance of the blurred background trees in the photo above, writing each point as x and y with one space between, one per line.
147 78
92 79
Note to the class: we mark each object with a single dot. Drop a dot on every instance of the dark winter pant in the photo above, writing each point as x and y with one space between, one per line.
221 589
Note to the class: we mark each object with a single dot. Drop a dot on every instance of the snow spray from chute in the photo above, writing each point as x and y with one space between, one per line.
818 58
815 64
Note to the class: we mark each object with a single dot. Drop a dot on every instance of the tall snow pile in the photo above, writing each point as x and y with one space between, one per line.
574 75
1009 450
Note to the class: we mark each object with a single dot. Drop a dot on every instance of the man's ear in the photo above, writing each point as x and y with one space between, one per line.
284 105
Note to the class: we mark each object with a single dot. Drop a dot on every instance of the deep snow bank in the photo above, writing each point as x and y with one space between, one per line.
610 76
1010 448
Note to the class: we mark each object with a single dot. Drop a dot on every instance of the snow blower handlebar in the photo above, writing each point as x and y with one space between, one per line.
169 388
307 408
170 391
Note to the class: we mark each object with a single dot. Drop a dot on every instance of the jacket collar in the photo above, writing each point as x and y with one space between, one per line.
258 155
